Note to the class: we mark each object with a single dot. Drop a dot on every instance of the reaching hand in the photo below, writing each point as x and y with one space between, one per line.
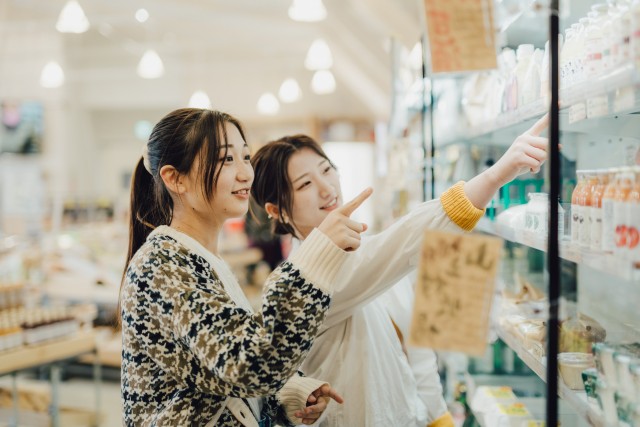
341 229
527 153
317 403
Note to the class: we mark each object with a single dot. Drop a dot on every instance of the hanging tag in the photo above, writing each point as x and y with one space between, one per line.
461 35
454 291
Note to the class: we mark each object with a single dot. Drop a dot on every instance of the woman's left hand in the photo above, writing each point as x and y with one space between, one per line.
317 403
527 154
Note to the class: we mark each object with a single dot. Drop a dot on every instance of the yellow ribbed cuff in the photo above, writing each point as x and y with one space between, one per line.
459 208
444 421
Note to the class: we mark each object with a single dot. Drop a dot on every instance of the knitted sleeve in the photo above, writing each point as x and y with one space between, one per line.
247 354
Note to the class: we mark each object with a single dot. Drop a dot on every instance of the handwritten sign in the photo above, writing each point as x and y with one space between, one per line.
461 35
454 291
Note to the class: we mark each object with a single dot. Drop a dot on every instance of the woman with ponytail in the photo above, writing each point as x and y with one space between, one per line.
194 352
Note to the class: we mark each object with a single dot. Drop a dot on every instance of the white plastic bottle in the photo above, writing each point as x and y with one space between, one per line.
620 219
531 89
608 201
607 14
524 55
580 49
510 95
567 58
576 209
621 28
635 32
593 46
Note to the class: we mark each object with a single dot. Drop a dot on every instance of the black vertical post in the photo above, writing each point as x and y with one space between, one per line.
432 147
553 259
423 122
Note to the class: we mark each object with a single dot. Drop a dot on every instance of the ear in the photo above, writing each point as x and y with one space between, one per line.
272 210
172 179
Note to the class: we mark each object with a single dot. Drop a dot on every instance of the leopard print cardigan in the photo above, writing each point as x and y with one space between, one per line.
187 345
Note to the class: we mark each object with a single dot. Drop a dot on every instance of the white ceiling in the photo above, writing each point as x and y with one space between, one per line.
233 49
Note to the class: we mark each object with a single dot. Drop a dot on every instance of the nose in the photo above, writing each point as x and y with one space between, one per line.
245 173
326 189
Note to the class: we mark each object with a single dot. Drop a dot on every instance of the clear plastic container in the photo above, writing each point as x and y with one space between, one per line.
571 366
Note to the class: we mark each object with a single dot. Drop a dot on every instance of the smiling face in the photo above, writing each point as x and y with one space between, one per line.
316 190
230 197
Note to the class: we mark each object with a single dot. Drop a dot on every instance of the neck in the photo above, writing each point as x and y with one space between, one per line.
205 232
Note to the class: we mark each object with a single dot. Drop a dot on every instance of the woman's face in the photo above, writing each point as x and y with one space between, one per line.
316 190
231 195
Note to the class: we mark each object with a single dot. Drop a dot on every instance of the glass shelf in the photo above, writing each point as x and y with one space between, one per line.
576 399
607 263
618 95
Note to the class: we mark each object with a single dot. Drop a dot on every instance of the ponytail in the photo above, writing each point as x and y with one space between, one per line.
150 206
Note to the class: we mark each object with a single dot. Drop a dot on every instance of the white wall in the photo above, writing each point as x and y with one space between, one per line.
355 162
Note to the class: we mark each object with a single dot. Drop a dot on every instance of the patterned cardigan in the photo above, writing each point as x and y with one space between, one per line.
187 345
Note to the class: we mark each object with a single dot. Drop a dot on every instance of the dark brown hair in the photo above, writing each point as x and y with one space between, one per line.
175 140
272 184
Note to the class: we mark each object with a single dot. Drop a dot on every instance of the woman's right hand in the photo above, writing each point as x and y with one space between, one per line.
341 229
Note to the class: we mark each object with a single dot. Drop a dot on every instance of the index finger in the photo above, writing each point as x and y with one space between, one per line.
327 390
348 208
334 395
539 126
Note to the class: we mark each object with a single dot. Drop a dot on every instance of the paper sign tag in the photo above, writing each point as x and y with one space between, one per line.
461 35
454 292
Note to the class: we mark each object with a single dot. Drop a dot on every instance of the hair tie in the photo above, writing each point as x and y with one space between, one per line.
145 157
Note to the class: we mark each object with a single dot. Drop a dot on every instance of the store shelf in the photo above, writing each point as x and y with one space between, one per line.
620 88
576 399
41 354
607 263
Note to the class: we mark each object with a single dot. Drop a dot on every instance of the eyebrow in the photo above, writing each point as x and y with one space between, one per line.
305 174
231 145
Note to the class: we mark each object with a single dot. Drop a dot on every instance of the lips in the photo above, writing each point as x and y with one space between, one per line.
241 192
332 204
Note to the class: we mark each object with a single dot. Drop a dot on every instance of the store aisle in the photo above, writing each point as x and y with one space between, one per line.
80 394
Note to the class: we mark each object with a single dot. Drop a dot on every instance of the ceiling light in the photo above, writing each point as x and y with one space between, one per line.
142 15
72 19
319 56
200 99
150 65
52 75
323 82
268 104
290 91
307 10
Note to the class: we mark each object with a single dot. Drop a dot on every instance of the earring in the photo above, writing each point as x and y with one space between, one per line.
269 216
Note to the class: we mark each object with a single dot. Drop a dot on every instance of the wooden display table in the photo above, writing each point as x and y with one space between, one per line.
49 353
31 356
